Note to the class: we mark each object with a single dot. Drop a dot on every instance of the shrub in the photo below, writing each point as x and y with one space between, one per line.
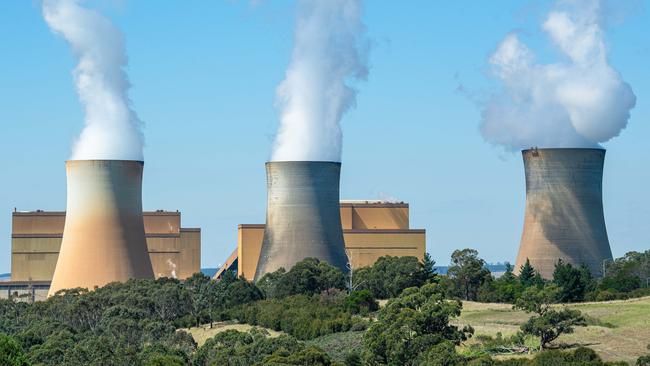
309 276
361 302
302 316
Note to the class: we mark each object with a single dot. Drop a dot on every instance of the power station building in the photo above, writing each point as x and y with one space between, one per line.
371 229
564 216
36 239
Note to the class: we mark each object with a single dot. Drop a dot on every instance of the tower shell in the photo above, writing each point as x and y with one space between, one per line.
103 237
564 216
303 216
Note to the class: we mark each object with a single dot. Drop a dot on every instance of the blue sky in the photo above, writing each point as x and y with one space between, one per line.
204 75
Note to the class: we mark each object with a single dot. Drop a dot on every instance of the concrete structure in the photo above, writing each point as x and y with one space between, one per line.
36 237
26 291
564 210
371 229
302 215
103 237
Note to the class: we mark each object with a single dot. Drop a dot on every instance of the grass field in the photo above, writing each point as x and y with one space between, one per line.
622 335
204 332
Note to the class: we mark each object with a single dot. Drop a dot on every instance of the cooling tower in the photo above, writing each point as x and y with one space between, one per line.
564 210
303 216
103 236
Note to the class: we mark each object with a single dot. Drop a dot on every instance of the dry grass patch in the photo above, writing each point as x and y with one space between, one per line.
205 332
623 338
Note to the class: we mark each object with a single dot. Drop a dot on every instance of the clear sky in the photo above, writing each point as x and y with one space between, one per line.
204 75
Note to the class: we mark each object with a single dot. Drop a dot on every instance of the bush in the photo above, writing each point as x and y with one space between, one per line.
302 316
11 354
389 276
361 302
243 348
309 276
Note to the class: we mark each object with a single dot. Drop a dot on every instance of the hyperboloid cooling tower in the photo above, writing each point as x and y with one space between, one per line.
303 216
103 237
564 210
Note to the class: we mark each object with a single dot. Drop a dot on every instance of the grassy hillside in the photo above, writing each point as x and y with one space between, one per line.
622 333
620 330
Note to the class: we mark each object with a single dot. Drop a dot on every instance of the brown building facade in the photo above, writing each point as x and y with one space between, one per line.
36 240
371 229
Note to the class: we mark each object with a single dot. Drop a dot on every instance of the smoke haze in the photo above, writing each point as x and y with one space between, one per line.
112 129
580 101
329 52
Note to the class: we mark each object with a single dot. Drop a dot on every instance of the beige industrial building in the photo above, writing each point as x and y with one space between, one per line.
36 240
371 229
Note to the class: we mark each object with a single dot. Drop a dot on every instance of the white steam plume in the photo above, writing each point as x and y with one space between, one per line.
329 51
112 129
578 102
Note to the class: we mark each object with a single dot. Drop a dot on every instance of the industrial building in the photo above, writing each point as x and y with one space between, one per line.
564 216
371 229
36 240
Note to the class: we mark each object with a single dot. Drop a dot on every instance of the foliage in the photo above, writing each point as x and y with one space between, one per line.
635 264
389 276
429 268
549 323
11 353
573 282
361 302
309 276
242 348
413 323
307 356
339 346
132 323
302 316
505 289
528 276
467 273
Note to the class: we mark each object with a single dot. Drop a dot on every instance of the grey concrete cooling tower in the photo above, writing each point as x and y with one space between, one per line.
564 210
103 236
303 216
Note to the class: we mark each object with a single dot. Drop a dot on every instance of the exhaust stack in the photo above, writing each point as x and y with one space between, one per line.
103 237
303 217
564 210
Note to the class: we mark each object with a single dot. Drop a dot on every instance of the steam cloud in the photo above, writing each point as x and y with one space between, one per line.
112 129
579 102
329 51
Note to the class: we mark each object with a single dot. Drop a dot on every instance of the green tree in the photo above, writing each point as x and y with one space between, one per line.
573 282
468 273
11 354
429 268
361 302
389 276
411 324
548 324
527 274
504 289
309 276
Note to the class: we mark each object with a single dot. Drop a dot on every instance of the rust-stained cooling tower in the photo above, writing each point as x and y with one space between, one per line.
564 210
103 237
303 216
